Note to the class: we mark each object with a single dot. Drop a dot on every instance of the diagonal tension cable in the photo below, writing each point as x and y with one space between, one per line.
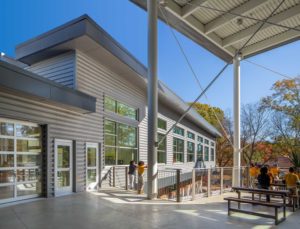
221 71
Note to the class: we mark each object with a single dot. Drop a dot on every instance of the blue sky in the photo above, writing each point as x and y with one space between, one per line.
22 20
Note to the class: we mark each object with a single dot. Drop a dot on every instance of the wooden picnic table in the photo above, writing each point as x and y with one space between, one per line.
281 193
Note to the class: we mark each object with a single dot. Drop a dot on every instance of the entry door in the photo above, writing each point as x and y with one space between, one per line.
92 158
63 167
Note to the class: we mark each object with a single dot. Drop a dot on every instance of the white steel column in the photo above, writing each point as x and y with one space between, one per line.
152 99
237 131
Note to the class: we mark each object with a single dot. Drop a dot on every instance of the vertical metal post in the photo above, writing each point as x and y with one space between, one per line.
237 139
208 182
178 199
114 176
126 178
152 99
193 184
222 180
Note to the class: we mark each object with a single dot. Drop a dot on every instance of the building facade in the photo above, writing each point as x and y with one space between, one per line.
73 103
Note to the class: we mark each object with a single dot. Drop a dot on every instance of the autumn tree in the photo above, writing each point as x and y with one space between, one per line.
285 104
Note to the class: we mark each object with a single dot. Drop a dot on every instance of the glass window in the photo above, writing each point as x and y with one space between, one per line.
6 191
178 130
126 111
212 143
91 176
7 176
6 144
200 139
6 160
190 151
28 189
206 141
161 124
63 156
6 129
191 135
91 157
28 131
200 152
28 160
120 142
28 175
63 179
161 150
212 154
206 153
120 108
110 104
178 150
32 146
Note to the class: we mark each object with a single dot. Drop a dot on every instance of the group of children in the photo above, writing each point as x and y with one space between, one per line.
265 176
140 167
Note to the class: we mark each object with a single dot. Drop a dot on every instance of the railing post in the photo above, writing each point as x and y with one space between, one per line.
178 198
114 176
208 182
126 178
193 183
222 180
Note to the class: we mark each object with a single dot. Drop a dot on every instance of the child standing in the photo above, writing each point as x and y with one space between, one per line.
264 180
141 170
131 174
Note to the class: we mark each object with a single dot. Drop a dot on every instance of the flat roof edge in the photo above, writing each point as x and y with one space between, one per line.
22 81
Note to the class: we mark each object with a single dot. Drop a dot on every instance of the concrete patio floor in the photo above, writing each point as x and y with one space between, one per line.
120 209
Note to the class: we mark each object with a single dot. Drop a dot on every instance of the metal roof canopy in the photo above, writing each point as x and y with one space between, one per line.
222 27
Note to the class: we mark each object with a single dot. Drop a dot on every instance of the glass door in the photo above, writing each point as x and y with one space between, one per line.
63 167
20 160
92 159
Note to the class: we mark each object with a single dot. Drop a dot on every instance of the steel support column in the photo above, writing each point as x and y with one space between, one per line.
152 99
237 132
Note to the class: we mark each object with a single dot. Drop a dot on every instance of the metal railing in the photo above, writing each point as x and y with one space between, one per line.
176 184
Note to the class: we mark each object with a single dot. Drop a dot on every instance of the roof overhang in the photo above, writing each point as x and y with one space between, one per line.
85 35
18 81
222 27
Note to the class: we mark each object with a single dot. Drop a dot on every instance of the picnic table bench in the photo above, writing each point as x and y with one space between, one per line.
281 193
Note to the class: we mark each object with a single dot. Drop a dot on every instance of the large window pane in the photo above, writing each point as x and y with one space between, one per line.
63 156
126 155
109 104
28 131
178 150
92 157
190 152
200 152
110 127
7 176
126 136
6 192
206 153
28 160
33 146
28 189
212 154
6 129
178 130
161 124
110 155
91 176
126 111
63 178
6 160
161 150
28 175
6 144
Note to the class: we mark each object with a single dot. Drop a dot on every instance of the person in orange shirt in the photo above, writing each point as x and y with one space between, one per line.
275 171
253 175
291 180
141 170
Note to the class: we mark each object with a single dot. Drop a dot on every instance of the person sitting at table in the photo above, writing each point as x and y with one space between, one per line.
264 180
291 180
